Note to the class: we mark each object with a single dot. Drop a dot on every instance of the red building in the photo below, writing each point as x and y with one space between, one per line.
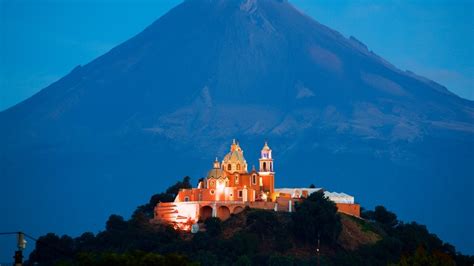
229 187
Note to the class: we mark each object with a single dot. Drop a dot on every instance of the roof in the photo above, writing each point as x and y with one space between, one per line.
266 147
234 156
337 197
215 173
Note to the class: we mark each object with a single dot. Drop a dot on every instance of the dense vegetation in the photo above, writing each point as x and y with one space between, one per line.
253 237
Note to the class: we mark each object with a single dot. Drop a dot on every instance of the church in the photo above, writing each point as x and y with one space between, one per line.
229 187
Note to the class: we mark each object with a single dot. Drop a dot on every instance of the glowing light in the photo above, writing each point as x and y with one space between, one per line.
220 187
184 226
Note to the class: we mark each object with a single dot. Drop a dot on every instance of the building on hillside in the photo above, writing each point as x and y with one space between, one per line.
229 187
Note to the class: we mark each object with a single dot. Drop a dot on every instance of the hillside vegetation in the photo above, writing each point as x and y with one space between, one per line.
255 237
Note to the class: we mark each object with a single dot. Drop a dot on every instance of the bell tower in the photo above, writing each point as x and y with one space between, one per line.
266 161
265 172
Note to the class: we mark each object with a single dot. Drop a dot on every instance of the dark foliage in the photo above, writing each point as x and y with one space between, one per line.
403 244
137 258
146 210
51 247
174 189
382 216
213 226
263 238
317 217
262 223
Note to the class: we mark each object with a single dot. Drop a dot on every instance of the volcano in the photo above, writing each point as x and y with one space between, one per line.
155 108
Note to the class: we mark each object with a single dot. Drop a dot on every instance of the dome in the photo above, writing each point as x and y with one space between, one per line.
234 156
215 173
234 161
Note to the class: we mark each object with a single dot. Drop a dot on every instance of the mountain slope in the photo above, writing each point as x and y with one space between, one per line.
164 103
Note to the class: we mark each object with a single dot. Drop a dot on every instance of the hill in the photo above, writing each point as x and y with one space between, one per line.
163 102
255 237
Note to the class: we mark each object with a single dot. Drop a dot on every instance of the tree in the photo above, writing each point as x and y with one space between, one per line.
115 223
262 222
168 196
385 217
85 242
243 261
317 217
174 189
213 226
52 248
366 214
277 260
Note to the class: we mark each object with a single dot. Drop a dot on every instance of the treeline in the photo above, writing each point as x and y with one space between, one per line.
253 237
402 244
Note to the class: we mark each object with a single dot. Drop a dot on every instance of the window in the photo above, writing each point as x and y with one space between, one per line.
264 166
186 198
254 179
238 166
236 179
212 191
240 193
229 167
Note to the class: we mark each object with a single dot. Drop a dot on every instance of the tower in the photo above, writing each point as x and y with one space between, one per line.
217 165
266 161
266 173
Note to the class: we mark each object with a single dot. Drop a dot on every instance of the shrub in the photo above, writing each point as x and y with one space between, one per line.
317 217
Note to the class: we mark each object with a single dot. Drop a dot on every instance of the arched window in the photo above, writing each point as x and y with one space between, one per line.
236 179
264 166
238 166
229 167
254 179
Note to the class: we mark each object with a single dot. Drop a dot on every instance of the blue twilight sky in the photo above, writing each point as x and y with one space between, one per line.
42 40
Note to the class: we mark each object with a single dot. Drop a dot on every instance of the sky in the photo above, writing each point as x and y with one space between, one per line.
42 40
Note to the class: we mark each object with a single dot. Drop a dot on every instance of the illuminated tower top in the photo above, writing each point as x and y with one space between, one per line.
266 161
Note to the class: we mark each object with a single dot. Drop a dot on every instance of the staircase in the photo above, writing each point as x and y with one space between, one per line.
168 212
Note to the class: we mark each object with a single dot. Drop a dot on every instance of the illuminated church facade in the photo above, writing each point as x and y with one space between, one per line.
229 187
